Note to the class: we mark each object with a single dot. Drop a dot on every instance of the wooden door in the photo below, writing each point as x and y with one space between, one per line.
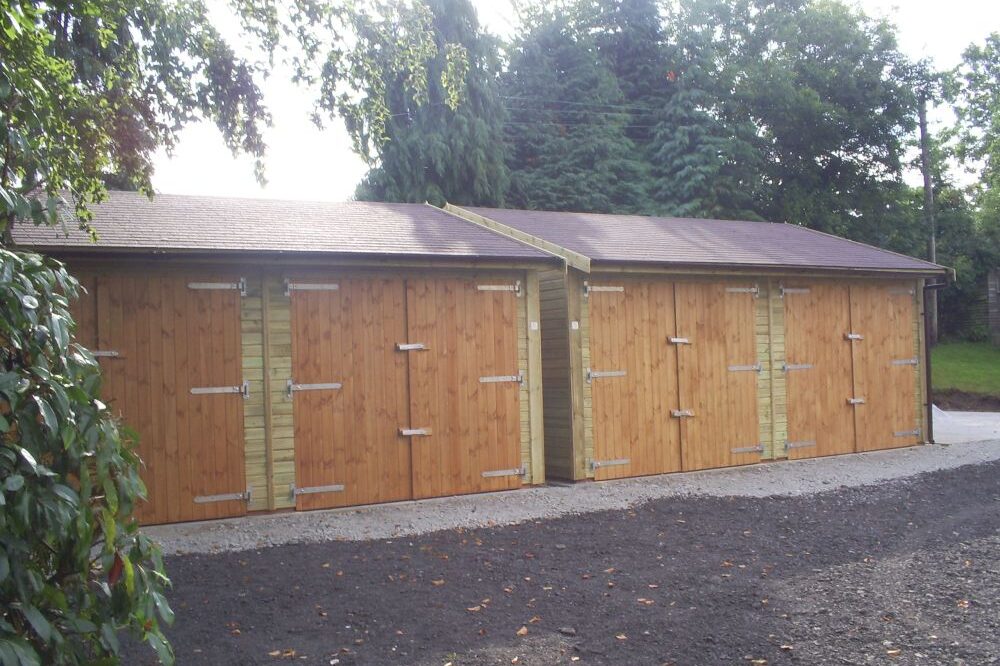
350 391
717 374
885 365
171 361
464 396
818 373
633 378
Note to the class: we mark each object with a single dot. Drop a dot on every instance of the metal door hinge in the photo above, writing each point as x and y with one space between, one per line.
679 341
598 374
899 291
516 287
243 389
411 346
853 336
800 445
788 367
240 285
597 464
498 379
291 387
681 413
759 448
904 361
855 401
588 288
314 490
907 433
755 290
756 367
415 432
792 290
309 286
517 471
226 497
104 354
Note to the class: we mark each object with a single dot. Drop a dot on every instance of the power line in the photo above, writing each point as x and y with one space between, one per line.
634 107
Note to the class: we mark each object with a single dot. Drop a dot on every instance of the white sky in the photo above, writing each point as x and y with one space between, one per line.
306 163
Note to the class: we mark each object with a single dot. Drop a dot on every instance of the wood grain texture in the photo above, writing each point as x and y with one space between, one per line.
720 326
474 427
631 413
171 339
816 322
348 436
884 314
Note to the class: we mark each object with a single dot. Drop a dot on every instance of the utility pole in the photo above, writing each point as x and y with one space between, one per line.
925 168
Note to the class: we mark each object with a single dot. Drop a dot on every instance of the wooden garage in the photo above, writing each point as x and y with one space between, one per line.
275 355
679 344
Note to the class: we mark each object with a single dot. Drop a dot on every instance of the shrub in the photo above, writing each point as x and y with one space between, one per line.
74 569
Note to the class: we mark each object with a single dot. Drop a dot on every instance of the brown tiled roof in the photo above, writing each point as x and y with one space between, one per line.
130 221
698 242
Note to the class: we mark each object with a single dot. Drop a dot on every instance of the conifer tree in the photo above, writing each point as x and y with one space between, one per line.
567 132
437 148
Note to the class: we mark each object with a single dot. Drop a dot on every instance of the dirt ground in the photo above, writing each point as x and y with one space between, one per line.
904 573
960 401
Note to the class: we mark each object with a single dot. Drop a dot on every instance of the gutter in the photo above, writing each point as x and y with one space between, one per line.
928 388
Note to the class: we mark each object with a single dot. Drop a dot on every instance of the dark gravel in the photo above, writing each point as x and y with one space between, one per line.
904 573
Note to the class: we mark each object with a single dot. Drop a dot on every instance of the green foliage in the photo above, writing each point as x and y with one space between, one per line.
967 366
74 569
448 144
567 133
92 89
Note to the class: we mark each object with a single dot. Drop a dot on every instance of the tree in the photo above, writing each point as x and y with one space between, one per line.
567 132
977 105
435 149
808 94
88 90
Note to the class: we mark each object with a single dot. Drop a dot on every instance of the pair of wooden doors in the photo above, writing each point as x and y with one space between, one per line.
673 376
169 347
403 388
851 367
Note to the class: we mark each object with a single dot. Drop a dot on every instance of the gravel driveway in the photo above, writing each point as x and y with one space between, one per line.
901 572
489 510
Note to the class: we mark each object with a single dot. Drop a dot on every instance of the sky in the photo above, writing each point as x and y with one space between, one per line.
306 163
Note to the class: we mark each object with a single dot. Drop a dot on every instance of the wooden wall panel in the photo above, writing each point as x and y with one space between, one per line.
720 325
631 413
884 364
348 437
817 317
556 375
474 427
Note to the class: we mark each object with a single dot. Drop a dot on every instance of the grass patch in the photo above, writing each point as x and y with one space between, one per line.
973 367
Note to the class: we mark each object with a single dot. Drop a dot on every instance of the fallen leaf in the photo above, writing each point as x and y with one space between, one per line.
534 620
438 583
474 609
893 653
523 631
653 586
963 603
621 637
326 565
786 648
274 653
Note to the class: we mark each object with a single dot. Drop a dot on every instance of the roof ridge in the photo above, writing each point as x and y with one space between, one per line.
638 215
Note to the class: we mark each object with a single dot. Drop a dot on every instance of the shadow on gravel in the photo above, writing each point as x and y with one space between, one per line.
902 573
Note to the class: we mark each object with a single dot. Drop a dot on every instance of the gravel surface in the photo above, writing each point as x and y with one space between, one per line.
789 478
905 572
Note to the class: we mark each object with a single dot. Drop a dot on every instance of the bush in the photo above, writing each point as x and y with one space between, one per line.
74 569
